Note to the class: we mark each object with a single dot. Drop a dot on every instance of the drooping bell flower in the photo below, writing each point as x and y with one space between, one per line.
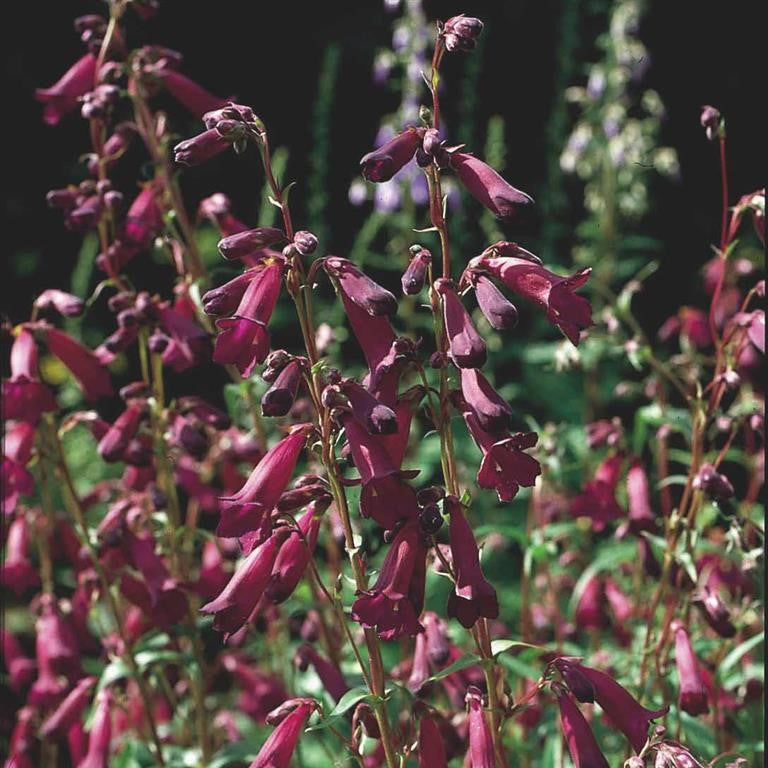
623 710
294 555
16 481
690 324
641 516
598 498
62 302
466 346
22 751
112 446
504 466
144 219
20 668
243 244
18 572
753 202
69 711
377 418
218 209
395 601
64 95
200 148
693 694
385 496
481 752
431 749
56 641
528 278
279 398
716 613
590 608
101 733
438 647
185 344
672 754
578 684
713 483
414 277
188 93
419 664
473 596
290 718
499 311
363 291
582 744
488 187
25 397
259 693
374 334
754 322
621 605
383 163
490 409
330 675
213 577
82 363
242 512
243 339
239 598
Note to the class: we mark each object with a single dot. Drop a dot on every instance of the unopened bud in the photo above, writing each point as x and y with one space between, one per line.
305 242
461 32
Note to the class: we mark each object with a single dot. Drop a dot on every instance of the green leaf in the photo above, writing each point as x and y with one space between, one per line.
145 659
500 646
115 670
237 752
468 660
352 697
740 650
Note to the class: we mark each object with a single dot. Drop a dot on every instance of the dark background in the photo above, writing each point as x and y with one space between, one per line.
269 54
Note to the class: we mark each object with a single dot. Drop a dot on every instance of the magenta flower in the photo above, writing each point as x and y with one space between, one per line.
278 749
64 95
23 742
144 220
69 711
218 209
523 275
279 398
243 512
623 710
590 608
598 498
117 438
18 571
294 555
20 668
500 313
377 418
83 364
239 598
259 693
395 601
716 613
356 285
492 412
101 733
621 606
504 466
582 745
25 397
188 93
415 275
383 163
184 343
641 516
488 187
693 693
243 244
481 752
198 149
690 324
473 596
243 339
466 347
671 754
431 749
62 302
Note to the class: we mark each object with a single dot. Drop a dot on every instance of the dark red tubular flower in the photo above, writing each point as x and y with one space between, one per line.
383 163
243 512
438 646
218 209
356 285
578 684
395 601
243 244
294 555
69 711
499 311
481 752
101 733
693 693
713 483
18 571
385 496
488 187
278 749
621 606
716 613
504 466
22 747
144 219
238 600
279 398
16 481
64 95
20 668
641 516
466 347
431 749
623 710
415 275
243 339
377 418
84 365
117 438
598 499
185 344
330 675
473 596
490 409
690 324
198 149
671 754
419 664
374 334
259 693
25 397
188 93
590 608
582 745
62 302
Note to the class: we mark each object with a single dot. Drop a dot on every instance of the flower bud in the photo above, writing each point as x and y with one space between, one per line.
430 519
716 485
245 243
460 32
64 303
712 122
498 310
279 398
305 242
415 275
